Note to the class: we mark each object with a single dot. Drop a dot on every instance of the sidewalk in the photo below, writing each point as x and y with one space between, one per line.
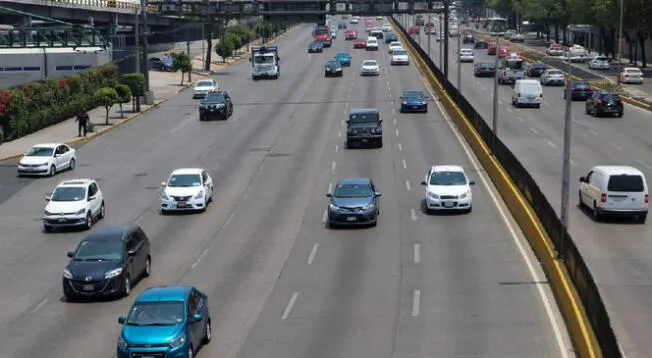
164 85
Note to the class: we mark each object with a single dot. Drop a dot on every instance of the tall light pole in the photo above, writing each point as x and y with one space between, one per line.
495 108
459 65
445 64
620 35
428 34
148 94
441 42
565 176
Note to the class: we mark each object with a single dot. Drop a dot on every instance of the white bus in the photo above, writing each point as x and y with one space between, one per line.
496 26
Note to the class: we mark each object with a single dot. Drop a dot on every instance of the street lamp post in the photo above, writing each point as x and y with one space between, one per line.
148 94
441 42
565 179
428 34
459 65
620 35
445 64
495 107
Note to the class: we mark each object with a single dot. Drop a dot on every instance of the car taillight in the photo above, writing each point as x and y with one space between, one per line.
603 198
646 198
620 101
599 101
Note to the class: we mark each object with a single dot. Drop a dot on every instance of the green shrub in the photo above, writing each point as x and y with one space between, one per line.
125 96
181 61
106 97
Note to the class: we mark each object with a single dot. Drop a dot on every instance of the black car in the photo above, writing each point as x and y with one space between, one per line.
419 21
158 64
364 127
107 262
536 69
315 47
481 44
581 91
390 37
333 68
354 201
484 69
216 105
602 103
468 39
342 25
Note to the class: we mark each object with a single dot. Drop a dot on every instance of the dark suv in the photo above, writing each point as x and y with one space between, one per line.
580 91
216 105
364 127
107 262
602 103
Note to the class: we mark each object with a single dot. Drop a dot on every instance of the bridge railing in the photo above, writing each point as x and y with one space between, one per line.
117 4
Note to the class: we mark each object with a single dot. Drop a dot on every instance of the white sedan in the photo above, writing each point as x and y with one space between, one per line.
600 63
552 77
447 188
369 68
394 46
630 75
47 159
466 55
203 87
400 57
187 189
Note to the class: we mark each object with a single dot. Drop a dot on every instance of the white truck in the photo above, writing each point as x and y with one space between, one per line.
265 62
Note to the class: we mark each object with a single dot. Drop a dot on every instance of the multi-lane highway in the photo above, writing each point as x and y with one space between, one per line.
618 252
279 283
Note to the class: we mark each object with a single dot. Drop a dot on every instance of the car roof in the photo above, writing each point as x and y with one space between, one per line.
527 80
413 91
76 182
110 233
632 69
47 145
617 169
447 168
354 181
165 293
187 171
364 111
343 53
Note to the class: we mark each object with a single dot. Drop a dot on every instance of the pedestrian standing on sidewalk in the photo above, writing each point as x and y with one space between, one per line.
82 122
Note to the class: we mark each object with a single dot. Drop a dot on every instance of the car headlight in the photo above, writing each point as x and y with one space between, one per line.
433 195
220 105
333 207
199 195
122 343
164 196
371 206
404 102
47 213
180 340
113 273
67 274
80 212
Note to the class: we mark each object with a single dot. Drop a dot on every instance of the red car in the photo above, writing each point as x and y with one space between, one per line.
491 50
359 44
503 51
351 35
414 30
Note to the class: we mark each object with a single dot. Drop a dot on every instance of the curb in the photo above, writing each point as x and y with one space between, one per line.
566 295
626 98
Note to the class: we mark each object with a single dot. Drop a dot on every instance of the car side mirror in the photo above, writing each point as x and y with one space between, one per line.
70 254
251 59
57 155
347 121
582 179
380 121
122 319
132 253
47 198
402 98
424 183
91 198
378 194
163 184
329 195
197 317
472 183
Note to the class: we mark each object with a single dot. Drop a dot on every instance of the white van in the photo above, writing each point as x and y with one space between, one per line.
617 190
372 44
527 93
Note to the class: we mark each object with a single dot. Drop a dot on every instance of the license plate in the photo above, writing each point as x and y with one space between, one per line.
350 218
148 357
618 199
88 287
530 98
182 204
212 110
62 220
365 140
415 106
449 204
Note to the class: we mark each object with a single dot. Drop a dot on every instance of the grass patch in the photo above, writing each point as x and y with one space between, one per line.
533 55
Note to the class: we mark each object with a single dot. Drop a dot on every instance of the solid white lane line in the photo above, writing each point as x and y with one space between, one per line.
313 252
644 164
324 216
330 187
520 119
201 256
400 147
552 144
333 166
416 302
397 132
594 132
500 102
39 306
573 163
509 109
407 185
413 215
288 309
417 253
404 164
615 146
534 130
337 147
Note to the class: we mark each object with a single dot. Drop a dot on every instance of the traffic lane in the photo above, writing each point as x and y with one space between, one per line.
260 127
472 256
614 251
351 280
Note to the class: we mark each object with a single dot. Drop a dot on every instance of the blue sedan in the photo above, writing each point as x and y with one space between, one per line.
344 58
414 101
354 202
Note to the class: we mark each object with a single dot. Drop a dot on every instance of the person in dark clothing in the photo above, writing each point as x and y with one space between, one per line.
82 122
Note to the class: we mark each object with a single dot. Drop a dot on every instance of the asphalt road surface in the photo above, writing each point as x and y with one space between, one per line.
619 251
279 283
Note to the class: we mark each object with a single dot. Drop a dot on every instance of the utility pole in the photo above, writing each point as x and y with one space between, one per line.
441 42
620 35
445 65
565 179
149 98
495 107
459 65
137 41
203 42
429 30
188 52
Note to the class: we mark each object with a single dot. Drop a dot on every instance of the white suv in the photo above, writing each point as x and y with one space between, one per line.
73 203
447 188
372 44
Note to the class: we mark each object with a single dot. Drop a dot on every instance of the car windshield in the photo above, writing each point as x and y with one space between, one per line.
99 250
160 313
364 118
581 85
333 63
184 180
466 51
601 59
487 65
369 63
539 66
214 98
413 94
70 193
352 191
626 183
264 59
40 152
400 52
343 54
205 83
610 97
447 178
529 87
555 73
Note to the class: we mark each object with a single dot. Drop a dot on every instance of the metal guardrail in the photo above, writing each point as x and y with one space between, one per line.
116 4
38 37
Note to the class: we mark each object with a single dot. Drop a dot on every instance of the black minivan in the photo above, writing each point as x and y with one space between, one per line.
107 262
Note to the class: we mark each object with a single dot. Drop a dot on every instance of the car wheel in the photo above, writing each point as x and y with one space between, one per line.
596 212
586 109
619 114
47 228
469 210
126 286
53 170
102 212
580 199
642 218
191 353
89 221
71 165
208 333
147 271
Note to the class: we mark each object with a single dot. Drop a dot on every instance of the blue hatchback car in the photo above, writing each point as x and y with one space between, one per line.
354 201
414 101
165 321
344 58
